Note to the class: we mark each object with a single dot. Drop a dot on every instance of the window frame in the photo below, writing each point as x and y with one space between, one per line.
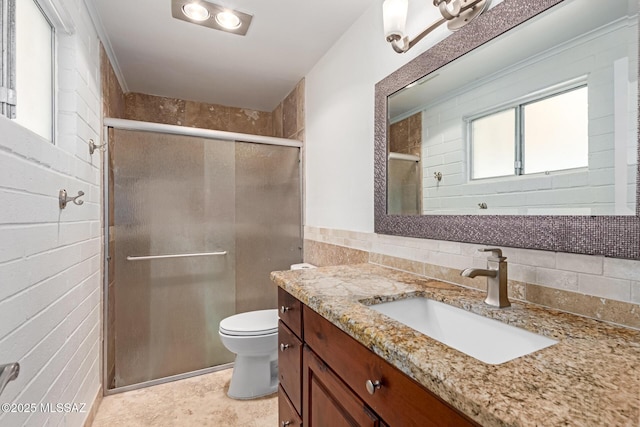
56 17
8 59
54 92
518 105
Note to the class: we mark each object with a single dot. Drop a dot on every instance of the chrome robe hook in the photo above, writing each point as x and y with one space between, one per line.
93 147
64 199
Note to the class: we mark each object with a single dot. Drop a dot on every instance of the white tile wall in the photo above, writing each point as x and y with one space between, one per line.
50 260
611 278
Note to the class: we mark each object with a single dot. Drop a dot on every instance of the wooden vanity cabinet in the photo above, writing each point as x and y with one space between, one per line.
333 373
398 400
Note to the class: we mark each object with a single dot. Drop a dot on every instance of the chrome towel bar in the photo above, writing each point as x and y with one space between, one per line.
142 258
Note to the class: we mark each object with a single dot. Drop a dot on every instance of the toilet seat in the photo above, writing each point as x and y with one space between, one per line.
253 323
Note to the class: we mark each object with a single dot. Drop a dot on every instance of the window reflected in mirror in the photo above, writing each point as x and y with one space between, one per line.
493 145
542 136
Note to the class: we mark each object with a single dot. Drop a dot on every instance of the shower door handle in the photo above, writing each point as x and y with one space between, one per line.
147 257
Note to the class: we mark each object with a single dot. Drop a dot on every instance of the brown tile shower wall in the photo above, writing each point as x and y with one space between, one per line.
289 115
112 95
405 136
285 121
180 112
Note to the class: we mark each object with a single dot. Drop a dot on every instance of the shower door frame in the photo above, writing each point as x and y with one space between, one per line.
134 125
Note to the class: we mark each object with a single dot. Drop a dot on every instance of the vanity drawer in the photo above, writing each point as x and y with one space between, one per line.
398 398
287 415
290 311
289 365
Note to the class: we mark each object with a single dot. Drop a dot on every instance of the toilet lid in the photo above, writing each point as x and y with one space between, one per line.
261 322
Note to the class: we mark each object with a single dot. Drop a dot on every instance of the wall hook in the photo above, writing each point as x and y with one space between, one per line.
93 147
63 199
437 176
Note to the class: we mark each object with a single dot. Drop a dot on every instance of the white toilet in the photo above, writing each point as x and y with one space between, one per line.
253 336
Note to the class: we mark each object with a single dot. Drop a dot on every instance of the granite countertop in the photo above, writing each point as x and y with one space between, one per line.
591 377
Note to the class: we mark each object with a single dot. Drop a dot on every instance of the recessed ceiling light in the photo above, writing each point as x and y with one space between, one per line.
196 12
228 20
207 14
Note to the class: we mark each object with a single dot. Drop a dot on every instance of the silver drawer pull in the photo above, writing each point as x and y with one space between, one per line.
285 423
284 309
283 347
372 386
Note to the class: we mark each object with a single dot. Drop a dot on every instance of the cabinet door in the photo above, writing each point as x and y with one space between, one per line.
287 415
328 402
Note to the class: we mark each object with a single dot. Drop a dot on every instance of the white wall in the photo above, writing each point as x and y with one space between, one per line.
50 264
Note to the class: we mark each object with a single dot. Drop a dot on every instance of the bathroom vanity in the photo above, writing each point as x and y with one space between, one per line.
341 380
342 361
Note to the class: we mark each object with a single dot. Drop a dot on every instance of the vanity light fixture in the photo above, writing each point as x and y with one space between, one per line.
457 13
211 15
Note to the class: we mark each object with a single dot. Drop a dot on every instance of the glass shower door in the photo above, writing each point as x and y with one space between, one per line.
173 210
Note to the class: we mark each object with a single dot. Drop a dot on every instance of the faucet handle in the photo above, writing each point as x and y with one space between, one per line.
495 252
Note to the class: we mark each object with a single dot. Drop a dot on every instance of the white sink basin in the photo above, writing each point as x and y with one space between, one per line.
485 339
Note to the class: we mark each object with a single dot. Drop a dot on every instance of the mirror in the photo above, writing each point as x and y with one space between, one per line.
518 130
539 121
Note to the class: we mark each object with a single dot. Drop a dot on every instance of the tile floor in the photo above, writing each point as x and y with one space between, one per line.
197 401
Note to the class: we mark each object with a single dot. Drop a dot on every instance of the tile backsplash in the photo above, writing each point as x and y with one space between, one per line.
593 286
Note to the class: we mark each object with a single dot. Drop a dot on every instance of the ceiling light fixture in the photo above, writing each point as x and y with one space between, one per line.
228 20
211 15
196 11
457 14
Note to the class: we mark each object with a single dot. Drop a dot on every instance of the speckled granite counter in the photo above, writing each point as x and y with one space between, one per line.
591 377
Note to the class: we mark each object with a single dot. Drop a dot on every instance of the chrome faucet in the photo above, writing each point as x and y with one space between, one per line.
496 273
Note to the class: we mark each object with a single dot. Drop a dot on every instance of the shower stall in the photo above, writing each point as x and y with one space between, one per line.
404 184
195 220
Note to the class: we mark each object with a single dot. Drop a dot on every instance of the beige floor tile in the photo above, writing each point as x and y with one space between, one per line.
197 401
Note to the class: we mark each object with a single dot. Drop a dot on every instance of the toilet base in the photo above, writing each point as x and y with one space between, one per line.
253 377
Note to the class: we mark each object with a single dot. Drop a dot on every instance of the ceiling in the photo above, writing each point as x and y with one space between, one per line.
156 54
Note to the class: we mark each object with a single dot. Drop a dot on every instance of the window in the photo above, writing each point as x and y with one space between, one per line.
28 67
546 134
7 59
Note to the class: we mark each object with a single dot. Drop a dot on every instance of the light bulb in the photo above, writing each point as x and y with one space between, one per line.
394 15
228 20
196 11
